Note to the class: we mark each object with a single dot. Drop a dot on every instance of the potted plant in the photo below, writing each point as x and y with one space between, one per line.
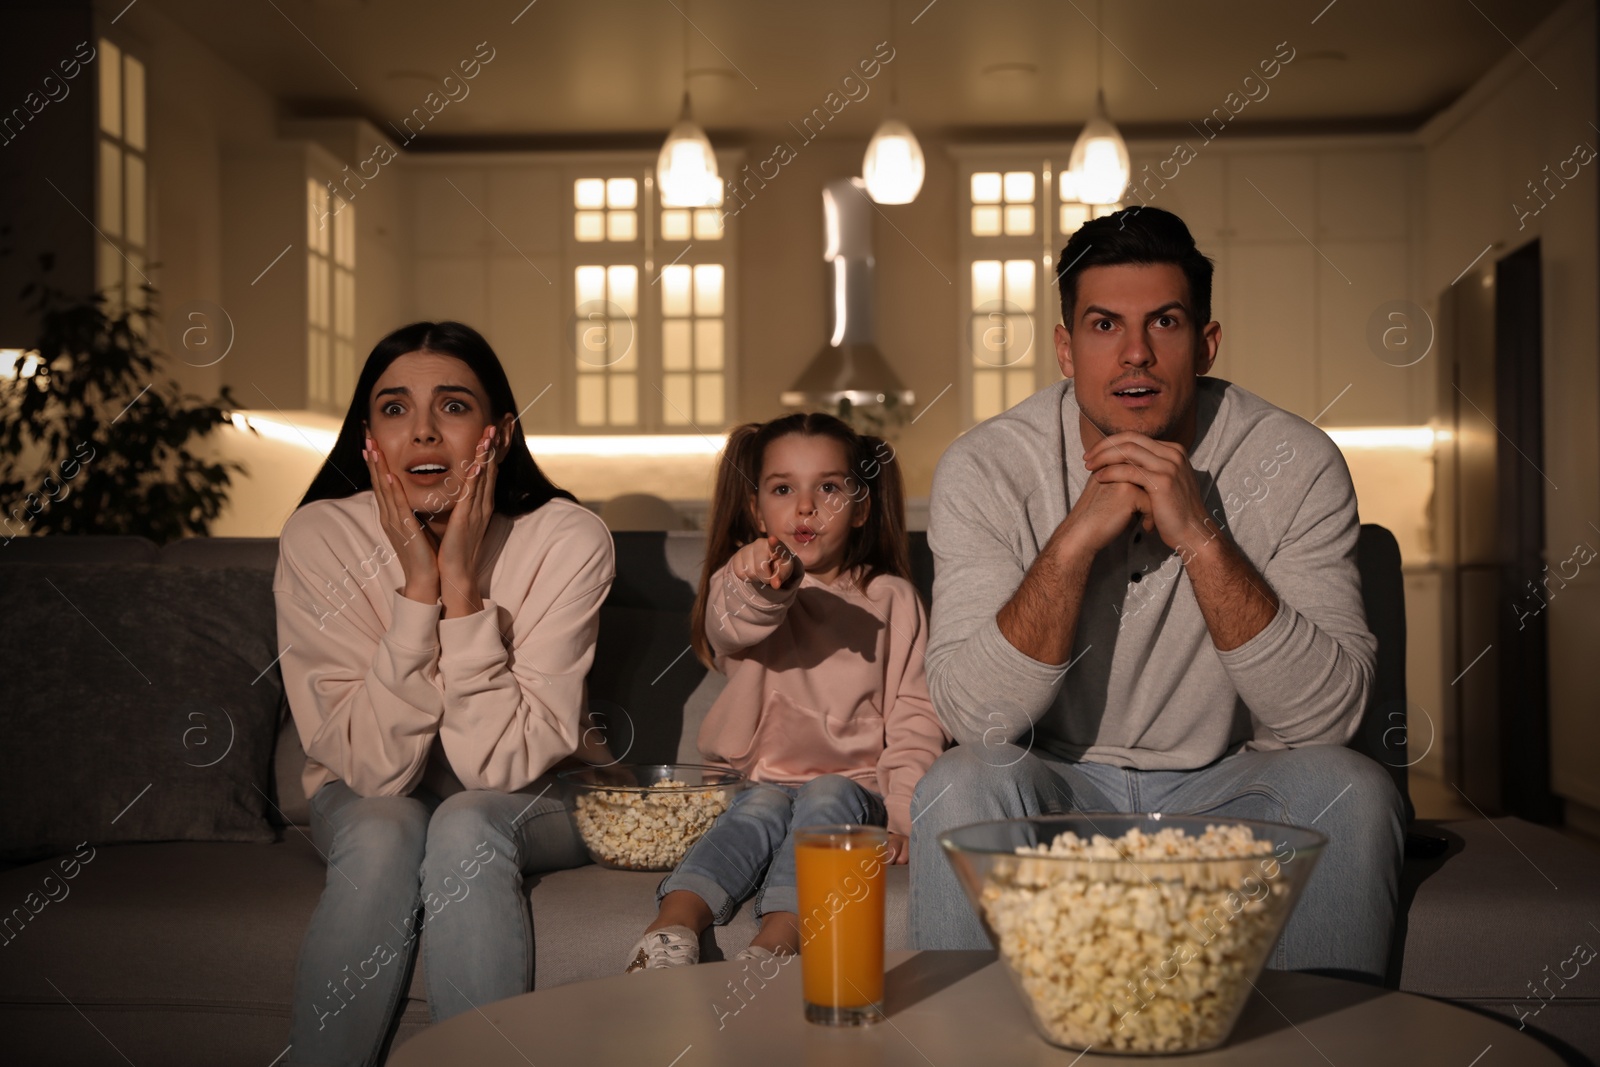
94 438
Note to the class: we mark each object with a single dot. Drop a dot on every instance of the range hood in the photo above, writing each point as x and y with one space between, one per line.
849 366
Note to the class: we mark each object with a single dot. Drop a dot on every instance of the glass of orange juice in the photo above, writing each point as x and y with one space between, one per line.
839 879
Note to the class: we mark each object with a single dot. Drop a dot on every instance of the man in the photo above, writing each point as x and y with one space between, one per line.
1146 599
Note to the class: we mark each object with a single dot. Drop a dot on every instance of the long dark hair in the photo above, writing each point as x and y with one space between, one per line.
880 543
520 486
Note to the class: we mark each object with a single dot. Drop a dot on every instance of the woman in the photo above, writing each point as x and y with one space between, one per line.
438 600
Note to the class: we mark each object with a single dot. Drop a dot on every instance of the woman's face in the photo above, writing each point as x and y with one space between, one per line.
427 414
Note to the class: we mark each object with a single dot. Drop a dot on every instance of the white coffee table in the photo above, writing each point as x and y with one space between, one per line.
945 1009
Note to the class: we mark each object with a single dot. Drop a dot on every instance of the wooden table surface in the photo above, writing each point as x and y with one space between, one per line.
944 1009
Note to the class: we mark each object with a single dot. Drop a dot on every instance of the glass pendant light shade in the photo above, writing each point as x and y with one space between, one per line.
1100 159
893 168
686 169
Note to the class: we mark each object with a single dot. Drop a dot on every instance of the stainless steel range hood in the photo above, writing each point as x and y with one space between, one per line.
849 366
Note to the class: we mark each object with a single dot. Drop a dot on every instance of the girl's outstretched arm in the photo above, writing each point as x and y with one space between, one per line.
750 594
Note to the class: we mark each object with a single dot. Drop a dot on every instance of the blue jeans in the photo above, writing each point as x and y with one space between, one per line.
1345 915
756 835
397 866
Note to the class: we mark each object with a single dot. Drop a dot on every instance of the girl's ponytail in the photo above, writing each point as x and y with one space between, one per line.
730 523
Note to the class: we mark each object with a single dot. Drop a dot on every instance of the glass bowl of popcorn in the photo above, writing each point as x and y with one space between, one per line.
1133 933
645 817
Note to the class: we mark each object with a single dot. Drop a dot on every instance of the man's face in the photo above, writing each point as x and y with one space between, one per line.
1133 350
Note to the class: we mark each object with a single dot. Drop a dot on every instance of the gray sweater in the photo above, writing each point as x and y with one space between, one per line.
1146 687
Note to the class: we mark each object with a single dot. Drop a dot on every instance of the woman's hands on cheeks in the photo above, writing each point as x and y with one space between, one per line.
765 562
463 535
413 542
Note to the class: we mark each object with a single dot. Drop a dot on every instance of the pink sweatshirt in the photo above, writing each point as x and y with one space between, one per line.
378 683
823 679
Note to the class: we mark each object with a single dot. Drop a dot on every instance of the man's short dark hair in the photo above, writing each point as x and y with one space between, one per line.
1135 235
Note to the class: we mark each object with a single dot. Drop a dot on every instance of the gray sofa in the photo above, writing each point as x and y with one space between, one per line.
183 951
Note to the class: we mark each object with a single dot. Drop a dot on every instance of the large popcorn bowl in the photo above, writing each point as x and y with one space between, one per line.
645 817
1133 933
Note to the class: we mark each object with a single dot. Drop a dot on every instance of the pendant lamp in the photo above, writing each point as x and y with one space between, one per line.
686 169
1099 162
893 168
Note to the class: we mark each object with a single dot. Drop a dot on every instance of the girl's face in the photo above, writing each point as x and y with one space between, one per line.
427 414
809 499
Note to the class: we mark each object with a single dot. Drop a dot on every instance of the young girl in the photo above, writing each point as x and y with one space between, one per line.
806 604
438 601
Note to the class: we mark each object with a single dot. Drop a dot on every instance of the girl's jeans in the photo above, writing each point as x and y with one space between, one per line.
755 836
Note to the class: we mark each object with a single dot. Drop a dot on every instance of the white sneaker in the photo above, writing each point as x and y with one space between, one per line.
759 954
670 946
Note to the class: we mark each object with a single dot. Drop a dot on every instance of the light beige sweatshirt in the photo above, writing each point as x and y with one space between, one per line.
377 682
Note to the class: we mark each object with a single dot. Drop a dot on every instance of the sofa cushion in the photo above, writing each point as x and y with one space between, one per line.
143 706
642 675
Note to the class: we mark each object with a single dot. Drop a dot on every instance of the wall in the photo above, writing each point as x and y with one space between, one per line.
1530 111
199 110
53 144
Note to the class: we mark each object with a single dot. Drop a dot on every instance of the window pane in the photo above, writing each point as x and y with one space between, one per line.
109 272
110 213
135 203
707 224
134 279
675 344
622 192
589 193
344 368
344 235
1102 210
675 289
989 340
1019 219
133 102
1019 284
708 399
624 284
985 221
110 88
1019 385
986 400
317 222
591 341
621 226
589 225
675 225
622 355
591 285
1019 186
1072 217
1019 340
624 400
708 344
1069 185
708 289
986 188
592 401
676 399
317 291
985 284
344 303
